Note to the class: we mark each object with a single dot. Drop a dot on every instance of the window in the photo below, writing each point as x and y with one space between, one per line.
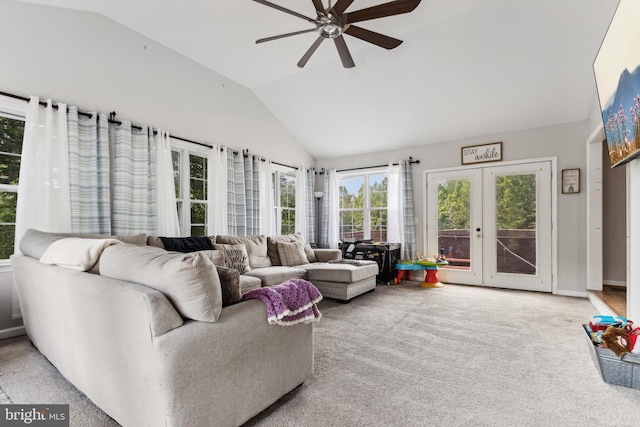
363 206
284 185
11 133
191 173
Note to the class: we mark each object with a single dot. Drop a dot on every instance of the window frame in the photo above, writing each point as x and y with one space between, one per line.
277 171
183 204
13 109
366 209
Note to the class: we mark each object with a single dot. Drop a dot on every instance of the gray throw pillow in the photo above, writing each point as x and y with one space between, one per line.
292 253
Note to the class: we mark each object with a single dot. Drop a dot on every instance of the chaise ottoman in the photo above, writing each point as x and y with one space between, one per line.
343 280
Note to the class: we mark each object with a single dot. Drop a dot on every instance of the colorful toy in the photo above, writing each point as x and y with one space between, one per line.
429 264
621 340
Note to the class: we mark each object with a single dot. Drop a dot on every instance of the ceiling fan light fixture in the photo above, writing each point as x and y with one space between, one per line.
330 30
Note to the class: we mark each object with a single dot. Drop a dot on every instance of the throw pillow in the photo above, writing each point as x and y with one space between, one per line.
256 248
272 246
230 284
187 244
235 256
292 253
311 254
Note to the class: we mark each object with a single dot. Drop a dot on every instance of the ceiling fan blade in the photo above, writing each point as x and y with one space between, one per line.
396 7
343 51
373 37
285 10
318 5
310 52
341 6
295 33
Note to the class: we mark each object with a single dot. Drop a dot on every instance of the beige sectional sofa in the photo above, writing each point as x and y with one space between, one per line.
270 260
162 338
148 339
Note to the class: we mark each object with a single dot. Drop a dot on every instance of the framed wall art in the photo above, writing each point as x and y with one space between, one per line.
570 181
481 153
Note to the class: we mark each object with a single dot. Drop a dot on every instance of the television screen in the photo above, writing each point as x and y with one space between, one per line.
617 74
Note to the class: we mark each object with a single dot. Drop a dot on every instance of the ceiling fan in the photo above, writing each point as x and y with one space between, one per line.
332 22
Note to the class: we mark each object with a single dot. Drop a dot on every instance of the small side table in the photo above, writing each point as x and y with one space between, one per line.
429 265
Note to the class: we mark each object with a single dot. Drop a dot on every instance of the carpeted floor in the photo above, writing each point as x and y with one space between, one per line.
410 356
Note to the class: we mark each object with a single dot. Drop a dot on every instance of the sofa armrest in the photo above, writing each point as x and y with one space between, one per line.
325 255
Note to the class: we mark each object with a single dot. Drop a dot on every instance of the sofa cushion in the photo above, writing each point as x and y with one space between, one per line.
256 248
248 282
235 256
189 280
292 253
216 257
230 285
35 242
277 274
342 273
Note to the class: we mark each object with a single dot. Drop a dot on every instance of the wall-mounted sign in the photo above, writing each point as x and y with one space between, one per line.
482 153
570 181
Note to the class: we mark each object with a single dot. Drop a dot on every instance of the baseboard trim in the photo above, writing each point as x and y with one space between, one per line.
614 283
578 294
600 306
12 332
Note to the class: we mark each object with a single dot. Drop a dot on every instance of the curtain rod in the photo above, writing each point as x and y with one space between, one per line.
112 116
411 162
43 103
112 119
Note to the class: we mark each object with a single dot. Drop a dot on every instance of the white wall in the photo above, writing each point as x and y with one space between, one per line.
567 142
94 63
90 61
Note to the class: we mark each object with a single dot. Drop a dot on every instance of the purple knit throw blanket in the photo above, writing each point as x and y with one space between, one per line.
292 302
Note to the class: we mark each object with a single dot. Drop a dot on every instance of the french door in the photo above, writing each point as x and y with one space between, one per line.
493 225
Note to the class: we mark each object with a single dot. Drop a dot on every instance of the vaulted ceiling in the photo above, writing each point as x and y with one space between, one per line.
467 68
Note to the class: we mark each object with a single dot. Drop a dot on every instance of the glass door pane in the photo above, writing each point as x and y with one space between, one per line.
516 213
454 221
454 212
517 227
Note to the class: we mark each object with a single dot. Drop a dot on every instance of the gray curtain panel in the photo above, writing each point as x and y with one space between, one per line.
232 223
310 207
252 194
406 177
324 229
89 165
133 180
243 194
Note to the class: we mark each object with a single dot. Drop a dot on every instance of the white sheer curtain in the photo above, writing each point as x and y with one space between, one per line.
334 206
400 212
44 201
267 213
301 201
394 203
217 192
167 223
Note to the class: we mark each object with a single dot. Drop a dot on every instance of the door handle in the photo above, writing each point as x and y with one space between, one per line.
478 235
